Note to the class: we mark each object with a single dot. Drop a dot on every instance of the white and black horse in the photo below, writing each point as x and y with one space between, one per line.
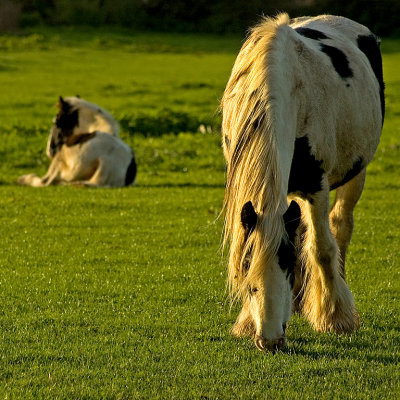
302 115
85 149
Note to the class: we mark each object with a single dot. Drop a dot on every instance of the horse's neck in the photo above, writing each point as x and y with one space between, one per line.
281 80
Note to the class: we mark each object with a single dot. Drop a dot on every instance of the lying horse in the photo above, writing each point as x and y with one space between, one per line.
85 149
302 115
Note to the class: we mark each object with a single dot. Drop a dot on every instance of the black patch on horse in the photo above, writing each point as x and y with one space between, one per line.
370 47
339 60
287 251
67 121
248 217
357 167
131 172
306 171
63 127
311 33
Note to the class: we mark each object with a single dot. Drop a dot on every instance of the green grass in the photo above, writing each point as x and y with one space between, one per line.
121 294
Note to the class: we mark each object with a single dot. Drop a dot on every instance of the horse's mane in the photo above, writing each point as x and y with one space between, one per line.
253 172
98 118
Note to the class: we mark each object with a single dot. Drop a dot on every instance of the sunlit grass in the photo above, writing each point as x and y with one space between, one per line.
121 293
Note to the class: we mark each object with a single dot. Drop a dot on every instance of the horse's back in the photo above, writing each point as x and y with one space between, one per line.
107 147
332 25
93 117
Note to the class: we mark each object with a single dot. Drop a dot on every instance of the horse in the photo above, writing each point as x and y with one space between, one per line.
302 114
85 149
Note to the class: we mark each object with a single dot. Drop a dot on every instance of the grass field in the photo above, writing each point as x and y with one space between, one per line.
120 294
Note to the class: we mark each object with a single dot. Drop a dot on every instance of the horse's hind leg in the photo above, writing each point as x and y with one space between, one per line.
327 300
100 177
299 281
341 215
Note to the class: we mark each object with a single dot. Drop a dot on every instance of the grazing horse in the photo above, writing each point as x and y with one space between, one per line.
85 149
302 115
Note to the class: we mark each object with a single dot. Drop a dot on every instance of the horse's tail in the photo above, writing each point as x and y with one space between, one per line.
256 171
130 177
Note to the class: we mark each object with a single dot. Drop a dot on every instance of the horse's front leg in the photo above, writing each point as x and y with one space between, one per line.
52 176
341 215
327 300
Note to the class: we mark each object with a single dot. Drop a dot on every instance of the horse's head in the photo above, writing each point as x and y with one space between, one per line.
64 124
268 278
76 116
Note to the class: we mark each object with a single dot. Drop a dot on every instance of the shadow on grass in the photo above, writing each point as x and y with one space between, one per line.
182 185
143 186
326 348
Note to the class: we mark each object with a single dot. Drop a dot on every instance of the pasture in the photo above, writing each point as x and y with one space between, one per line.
121 293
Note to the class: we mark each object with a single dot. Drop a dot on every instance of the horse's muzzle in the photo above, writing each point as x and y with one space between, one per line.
273 345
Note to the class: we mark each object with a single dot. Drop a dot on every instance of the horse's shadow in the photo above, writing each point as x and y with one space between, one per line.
182 185
342 349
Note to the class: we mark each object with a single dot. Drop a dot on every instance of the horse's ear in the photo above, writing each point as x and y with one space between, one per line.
248 217
292 218
62 104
